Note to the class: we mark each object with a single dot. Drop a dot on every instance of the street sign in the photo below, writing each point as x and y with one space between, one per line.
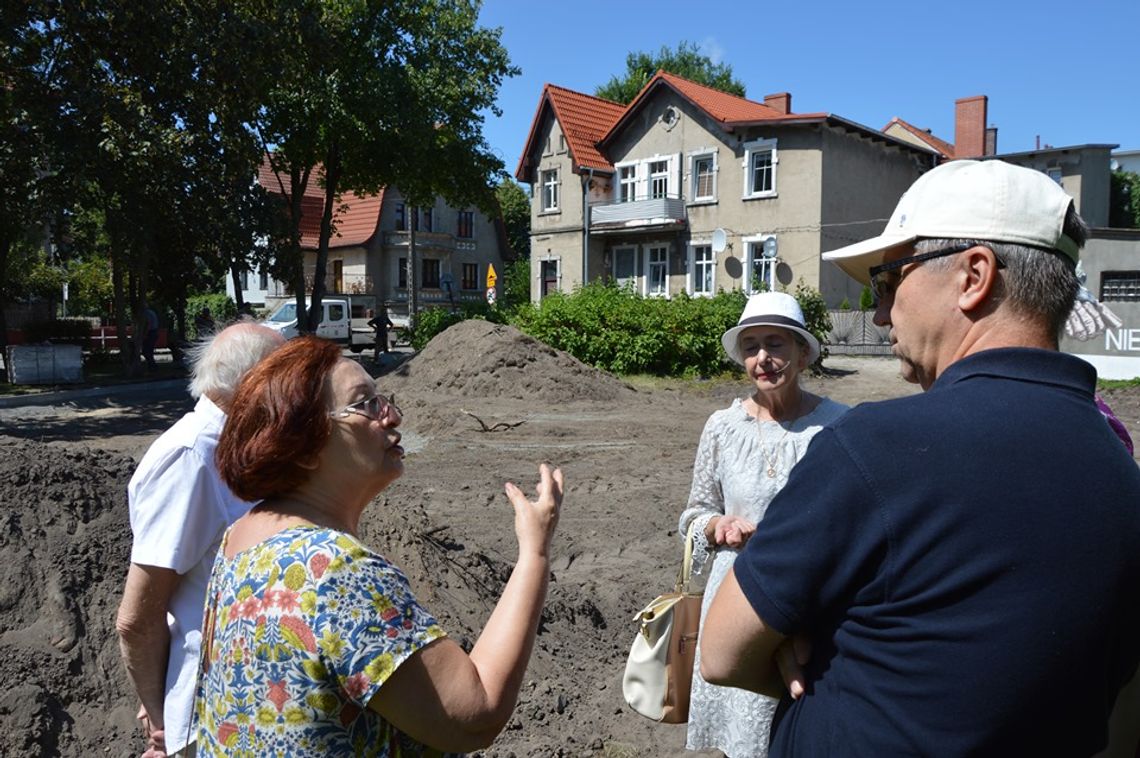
491 276
490 296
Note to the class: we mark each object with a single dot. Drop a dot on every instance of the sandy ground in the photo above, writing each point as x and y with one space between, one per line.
626 452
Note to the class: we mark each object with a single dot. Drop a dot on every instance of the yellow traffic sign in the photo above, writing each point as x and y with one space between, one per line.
491 276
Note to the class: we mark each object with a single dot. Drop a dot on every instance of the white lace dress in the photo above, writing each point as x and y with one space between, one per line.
730 477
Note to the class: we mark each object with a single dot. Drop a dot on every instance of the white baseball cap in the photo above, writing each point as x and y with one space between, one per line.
770 309
983 200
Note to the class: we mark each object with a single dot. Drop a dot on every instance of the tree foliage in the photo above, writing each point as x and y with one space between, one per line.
1124 200
362 94
130 132
686 61
515 207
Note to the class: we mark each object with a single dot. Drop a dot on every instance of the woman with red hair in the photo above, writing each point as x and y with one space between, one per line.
313 644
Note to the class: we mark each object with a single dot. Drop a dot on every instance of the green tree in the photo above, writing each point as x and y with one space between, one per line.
24 158
138 136
362 94
687 61
515 207
1124 200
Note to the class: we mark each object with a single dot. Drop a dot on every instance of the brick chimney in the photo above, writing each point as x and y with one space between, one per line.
991 140
970 126
781 101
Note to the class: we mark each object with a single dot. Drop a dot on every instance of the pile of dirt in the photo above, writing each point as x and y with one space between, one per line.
65 537
488 369
496 361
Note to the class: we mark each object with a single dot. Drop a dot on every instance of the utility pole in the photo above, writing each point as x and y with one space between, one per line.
413 290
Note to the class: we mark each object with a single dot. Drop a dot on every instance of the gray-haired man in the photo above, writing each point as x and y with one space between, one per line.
179 509
965 563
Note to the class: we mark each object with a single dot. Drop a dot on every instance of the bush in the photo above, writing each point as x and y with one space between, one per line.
816 317
866 299
222 310
622 332
619 331
844 304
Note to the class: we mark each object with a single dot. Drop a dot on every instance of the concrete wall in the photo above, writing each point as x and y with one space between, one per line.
557 235
1116 352
862 182
1085 174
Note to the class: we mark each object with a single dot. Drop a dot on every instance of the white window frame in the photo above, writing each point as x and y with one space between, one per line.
691 279
650 265
694 178
658 170
614 266
550 182
754 246
752 149
557 276
625 182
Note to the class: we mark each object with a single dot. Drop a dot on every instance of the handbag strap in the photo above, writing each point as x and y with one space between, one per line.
686 572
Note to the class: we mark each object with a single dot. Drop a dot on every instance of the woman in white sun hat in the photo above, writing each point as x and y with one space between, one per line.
744 457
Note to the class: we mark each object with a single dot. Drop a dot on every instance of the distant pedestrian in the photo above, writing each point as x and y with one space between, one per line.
204 323
148 324
380 326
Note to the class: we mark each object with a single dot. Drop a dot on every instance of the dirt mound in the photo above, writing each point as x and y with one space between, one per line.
495 361
65 537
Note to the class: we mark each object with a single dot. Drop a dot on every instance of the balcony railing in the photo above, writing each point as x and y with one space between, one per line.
637 214
435 240
346 284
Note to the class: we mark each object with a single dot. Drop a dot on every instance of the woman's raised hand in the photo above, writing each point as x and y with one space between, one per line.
535 520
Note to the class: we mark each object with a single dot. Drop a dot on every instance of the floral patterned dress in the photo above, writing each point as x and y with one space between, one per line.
730 476
300 632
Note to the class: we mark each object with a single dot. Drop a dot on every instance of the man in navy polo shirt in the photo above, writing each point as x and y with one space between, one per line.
959 570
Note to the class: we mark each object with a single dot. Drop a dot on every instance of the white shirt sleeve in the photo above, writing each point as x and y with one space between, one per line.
175 513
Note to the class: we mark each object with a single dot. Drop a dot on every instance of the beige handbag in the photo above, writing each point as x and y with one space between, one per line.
659 670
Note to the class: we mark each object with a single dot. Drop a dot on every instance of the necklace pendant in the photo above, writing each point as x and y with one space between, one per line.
771 473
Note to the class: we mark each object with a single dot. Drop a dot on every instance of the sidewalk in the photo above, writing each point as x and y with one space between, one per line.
167 377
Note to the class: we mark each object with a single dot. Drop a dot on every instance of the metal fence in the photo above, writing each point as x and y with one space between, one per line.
853 333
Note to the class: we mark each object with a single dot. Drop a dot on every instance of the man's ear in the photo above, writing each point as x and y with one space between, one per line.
978 277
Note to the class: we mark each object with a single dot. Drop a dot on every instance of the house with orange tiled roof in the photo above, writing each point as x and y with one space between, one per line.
369 249
689 189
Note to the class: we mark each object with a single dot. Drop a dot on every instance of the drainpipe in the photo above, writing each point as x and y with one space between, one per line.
586 182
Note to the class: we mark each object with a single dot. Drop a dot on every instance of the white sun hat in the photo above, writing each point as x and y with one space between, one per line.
982 200
770 309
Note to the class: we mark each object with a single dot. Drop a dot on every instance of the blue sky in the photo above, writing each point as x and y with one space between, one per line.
1066 71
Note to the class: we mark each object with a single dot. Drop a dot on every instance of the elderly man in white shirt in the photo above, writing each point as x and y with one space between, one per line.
179 510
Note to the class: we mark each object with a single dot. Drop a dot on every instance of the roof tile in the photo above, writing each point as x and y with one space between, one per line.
941 145
355 220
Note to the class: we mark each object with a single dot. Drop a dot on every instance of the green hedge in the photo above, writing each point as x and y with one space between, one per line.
624 333
222 310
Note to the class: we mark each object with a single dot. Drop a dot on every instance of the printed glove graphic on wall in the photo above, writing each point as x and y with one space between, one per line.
1089 316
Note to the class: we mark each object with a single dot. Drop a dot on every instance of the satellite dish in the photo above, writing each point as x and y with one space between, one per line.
719 240
770 247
